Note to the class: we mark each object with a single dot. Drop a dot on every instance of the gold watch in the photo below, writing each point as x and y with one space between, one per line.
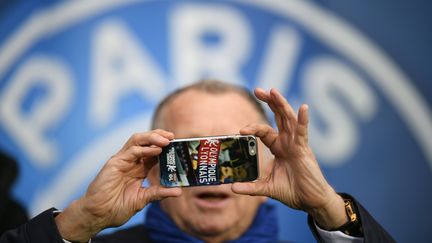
353 227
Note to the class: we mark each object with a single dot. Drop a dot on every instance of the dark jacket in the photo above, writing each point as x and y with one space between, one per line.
42 228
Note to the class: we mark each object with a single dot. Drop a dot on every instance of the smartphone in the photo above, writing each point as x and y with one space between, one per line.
207 161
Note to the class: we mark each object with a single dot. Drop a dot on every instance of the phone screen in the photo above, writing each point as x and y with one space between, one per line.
209 161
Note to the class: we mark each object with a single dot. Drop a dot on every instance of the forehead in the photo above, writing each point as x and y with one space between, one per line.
198 113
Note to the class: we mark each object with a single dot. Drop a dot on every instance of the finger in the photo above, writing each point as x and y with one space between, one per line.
256 188
265 132
264 96
285 117
157 137
261 94
282 105
302 125
276 113
156 192
164 133
288 120
281 122
135 153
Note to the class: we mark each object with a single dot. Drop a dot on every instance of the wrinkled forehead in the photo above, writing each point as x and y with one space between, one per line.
199 113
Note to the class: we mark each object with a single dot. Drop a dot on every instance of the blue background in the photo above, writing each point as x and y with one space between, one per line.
388 172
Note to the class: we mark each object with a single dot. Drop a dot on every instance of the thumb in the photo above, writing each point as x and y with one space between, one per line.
155 193
256 188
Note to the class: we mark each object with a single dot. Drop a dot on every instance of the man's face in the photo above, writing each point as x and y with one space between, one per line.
210 211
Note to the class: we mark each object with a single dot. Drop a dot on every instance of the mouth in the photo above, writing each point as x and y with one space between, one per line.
209 196
211 200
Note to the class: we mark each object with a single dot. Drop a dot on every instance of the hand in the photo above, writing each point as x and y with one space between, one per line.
295 178
116 193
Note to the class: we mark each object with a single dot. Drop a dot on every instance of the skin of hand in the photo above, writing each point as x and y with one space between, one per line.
116 193
295 178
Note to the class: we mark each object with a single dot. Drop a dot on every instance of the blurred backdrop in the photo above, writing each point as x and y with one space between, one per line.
78 77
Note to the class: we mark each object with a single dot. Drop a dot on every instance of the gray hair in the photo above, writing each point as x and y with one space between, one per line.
211 87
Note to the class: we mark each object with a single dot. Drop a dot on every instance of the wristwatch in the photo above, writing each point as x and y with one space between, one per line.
353 227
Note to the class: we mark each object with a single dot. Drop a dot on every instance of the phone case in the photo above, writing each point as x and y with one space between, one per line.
209 161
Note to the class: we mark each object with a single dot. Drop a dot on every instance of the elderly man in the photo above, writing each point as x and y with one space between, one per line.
230 212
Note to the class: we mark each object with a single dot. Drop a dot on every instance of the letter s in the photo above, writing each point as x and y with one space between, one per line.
338 97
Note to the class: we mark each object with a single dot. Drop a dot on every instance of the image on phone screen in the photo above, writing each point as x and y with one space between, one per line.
209 161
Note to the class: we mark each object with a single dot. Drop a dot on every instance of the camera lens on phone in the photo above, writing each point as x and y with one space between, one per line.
252 143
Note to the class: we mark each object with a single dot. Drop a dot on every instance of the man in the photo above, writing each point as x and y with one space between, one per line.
229 212
12 214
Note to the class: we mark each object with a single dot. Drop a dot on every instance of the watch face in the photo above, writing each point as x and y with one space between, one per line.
353 227
349 208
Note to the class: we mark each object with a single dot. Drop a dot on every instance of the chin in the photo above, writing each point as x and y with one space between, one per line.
211 228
